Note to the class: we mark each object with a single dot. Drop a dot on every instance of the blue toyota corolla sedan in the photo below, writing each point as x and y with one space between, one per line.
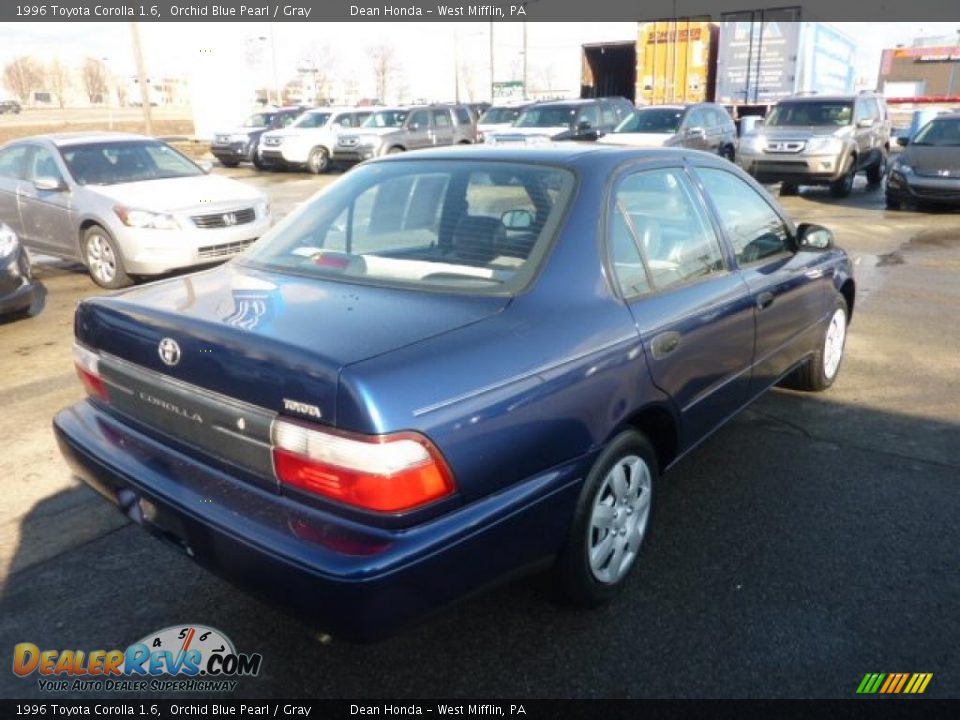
448 366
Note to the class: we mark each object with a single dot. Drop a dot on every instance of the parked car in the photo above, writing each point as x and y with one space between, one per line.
820 140
124 205
10 106
398 129
928 168
239 145
564 120
19 291
699 126
309 141
500 117
468 361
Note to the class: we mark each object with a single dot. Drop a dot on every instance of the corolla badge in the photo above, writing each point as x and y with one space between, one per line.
169 351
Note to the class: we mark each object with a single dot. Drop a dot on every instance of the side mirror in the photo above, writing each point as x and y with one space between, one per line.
47 183
696 132
584 126
517 219
865 123
206 166
814 237
903 141
415 126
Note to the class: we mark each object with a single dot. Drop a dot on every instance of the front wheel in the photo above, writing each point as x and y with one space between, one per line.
103 259
610 522
819 372
875 174
319 161
843 186
788 189
394 150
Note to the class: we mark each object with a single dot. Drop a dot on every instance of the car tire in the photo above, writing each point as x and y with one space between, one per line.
876 172
788 189
256 160
229 163
394 150
728 153
843 186
103 260
893 203
611 521
820 371
318 162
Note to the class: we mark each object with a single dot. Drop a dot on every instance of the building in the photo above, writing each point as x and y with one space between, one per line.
920 71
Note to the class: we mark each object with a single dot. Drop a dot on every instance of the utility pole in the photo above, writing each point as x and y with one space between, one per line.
456 67
141 76
276 82
525 96
491 62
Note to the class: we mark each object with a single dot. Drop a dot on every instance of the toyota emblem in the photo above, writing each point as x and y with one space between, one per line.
169 351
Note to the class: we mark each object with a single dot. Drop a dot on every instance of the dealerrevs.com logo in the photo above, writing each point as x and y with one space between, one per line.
181 658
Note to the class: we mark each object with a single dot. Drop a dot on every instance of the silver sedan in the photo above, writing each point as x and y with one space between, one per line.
124 205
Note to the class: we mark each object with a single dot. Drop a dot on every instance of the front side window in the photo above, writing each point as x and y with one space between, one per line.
463 116
590 114
652 120
312 120
478 227
110 163
754 229
386 119
43 164
499 116
11 161
420 120
441 119
547 116
258 120
669 226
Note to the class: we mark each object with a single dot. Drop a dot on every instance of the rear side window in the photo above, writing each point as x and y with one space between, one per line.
478 227
463 116
421 119
441 118
11 161
754 229
668 225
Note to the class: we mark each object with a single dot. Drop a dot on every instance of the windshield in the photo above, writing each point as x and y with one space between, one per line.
499 116
789 114
111 163
479 227
552 116
386 118
940 133
312 120
257 120
654 120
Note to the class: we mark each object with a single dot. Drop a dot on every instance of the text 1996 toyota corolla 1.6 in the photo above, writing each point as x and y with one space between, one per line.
450 365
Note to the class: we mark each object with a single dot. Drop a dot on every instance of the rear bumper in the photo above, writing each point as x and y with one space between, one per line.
355 581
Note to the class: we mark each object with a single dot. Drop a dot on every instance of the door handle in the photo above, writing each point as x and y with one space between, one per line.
764 300
664 344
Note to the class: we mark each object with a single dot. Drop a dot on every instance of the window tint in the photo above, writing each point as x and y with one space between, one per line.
754 229
420 118
11 161
668 224
441 118
461 226
43 164
463 116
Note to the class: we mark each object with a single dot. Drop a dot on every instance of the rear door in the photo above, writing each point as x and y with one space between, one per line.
419 130
788 288
442 127
694 315
45 214
12 161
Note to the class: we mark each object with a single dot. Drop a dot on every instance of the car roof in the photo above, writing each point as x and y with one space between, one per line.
558 153
822 98
82 138
577 101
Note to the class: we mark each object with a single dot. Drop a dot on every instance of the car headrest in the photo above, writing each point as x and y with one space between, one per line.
475 237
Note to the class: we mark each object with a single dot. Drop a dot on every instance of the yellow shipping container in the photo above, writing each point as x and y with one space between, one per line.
676 62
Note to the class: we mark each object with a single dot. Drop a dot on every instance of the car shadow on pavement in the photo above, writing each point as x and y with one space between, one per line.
806 543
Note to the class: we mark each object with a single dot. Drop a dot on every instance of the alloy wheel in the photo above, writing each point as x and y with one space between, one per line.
618 522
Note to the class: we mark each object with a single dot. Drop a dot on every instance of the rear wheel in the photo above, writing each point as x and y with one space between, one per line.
256 160
229 163
319 161
728 153
843 186
788 188
394 150
822 369
103 259
875 174
610 522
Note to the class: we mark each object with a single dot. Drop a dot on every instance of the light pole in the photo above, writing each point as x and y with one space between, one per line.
525 60
141 76
491 62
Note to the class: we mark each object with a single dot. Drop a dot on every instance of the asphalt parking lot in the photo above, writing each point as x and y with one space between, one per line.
810 541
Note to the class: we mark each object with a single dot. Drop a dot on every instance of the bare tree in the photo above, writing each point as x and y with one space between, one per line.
58 76
385 68
22 76
317 62
95 79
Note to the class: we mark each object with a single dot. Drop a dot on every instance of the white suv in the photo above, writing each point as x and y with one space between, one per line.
309 141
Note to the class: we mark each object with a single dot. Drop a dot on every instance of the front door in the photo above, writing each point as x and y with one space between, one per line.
694 315
12 161
788 287
419 130
46 213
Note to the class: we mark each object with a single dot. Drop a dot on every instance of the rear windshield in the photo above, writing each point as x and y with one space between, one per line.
941 133
474 227
787 114
552 116
654 120
312 120
111 163
499 116
386 118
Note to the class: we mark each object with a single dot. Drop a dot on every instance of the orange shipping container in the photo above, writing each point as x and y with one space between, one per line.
676 61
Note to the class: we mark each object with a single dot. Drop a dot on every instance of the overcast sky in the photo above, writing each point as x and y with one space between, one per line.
425 50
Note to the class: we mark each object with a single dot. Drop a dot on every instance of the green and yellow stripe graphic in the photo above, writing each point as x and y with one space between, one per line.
894 683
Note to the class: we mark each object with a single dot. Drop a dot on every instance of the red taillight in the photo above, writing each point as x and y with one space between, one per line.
88 370
386 473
